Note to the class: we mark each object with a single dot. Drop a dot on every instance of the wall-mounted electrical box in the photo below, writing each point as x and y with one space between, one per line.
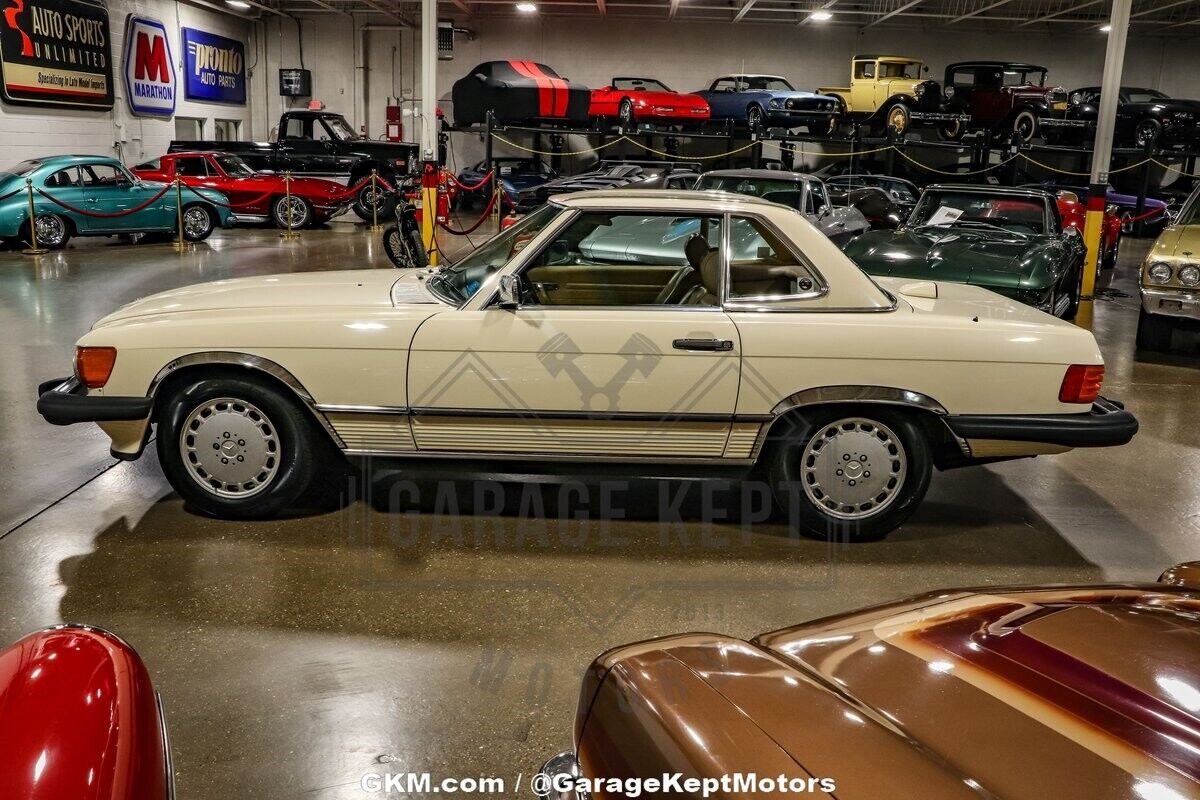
445 40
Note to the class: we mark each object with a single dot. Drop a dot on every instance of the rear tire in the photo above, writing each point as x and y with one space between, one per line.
1147 133
1154 332
367 198
1109 260
53 232
235 448
1025 125
198 222
850 473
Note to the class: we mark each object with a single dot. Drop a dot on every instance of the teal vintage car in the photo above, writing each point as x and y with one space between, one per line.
98 196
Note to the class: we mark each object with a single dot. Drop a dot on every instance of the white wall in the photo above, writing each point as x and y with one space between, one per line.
29 131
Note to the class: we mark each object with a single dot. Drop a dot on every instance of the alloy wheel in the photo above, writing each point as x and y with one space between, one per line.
195 223
291 210
51 230
853 468
230 448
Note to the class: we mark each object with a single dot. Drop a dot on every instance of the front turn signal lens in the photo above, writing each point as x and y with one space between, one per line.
1081 384
93 365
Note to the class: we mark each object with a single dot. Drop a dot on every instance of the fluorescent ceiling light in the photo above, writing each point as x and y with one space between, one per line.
241 4
820 16
1105 28
526 8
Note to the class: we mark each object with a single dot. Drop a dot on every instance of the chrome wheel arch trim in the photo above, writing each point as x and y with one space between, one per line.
253 363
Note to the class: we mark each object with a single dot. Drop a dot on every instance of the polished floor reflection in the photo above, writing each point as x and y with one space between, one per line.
392 626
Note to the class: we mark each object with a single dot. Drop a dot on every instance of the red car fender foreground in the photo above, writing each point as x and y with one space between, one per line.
1074 215
80 720
646 98
254 196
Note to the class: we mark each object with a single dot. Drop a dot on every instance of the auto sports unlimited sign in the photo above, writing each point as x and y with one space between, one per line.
56 53
149 69
214 68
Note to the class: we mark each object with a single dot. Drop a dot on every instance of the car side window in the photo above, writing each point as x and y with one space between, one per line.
627 259
63 178
191 167
817 201
102 175
864 69
762 268
295 129
962 78
723 85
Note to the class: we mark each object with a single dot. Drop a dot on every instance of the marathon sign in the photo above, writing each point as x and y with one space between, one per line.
149 69
56 53
214 68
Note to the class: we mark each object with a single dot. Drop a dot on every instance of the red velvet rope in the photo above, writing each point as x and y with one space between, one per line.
487 212
471 187
103 214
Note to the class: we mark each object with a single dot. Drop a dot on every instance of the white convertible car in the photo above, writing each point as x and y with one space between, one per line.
789 363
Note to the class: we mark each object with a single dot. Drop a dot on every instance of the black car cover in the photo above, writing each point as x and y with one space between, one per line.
518 91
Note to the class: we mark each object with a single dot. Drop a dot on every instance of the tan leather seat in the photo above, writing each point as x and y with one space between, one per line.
709 291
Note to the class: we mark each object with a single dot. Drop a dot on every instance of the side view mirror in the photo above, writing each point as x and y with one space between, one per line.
925 68
509 295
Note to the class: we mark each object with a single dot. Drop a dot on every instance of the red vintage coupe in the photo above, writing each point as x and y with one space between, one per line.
630 100
1074 214
255 196
80 720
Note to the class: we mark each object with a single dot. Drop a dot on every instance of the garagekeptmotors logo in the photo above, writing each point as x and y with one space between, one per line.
149 69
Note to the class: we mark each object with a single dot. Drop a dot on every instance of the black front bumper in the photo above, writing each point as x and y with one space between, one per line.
1108 424
65 401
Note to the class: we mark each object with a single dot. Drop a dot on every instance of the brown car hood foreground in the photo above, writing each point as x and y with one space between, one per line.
1090 692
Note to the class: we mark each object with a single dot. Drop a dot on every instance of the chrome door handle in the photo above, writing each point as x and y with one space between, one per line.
703 345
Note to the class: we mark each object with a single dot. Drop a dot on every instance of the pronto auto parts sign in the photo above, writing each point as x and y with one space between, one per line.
149 69
214 68
56 53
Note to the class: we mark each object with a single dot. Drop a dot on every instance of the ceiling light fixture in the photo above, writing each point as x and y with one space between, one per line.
238 4
526 8
1105 28
820 16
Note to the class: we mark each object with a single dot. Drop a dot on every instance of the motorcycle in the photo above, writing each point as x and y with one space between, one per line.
402 240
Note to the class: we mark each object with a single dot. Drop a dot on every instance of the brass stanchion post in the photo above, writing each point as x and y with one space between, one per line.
290 233
375 226
33 249
181 244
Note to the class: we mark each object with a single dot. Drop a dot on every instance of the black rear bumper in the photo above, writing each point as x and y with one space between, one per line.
1108 424
65 401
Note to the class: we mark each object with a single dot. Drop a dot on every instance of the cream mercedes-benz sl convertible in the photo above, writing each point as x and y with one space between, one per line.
703 330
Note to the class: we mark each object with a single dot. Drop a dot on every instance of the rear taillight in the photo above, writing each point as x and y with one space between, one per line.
93 365
1081 384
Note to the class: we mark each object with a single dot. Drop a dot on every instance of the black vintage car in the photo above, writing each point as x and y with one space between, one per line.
1145 117
518 91
323 144
1002 97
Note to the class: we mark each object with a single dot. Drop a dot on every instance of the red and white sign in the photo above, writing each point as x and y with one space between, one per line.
150 82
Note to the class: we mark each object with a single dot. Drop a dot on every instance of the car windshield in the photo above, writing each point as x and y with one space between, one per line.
1145 96
1190 213
759 83
899 190
339 128
234 167
1024 77
456 284
639 85
522 166
1010 212
911 70
758 187
22 169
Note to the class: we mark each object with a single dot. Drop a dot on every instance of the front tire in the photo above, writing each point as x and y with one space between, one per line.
1148 132
754 119
198 223
300 212
53 232
235 448
1025 126
898 118
851 474
404 249
1109 260
1154 332
625 114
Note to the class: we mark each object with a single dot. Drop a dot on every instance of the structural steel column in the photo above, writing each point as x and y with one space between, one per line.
1110 87
429 128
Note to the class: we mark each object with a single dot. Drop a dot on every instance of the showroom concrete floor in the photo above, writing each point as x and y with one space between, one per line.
295 655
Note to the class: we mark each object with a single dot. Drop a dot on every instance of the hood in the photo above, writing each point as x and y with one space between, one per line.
356 288
984 258
675 99
979 680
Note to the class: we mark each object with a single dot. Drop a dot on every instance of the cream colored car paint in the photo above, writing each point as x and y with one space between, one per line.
340 336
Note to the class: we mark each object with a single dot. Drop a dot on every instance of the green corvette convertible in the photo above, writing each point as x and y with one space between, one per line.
1008 240
97 196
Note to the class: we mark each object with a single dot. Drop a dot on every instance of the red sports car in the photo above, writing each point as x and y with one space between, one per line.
255 196
632 99
1074 214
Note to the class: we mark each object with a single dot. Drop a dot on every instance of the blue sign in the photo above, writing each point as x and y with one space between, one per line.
214 68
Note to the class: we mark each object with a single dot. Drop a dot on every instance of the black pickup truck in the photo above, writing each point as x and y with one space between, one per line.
322 144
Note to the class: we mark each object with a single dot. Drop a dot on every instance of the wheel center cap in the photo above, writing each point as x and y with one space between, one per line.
229 447
853 468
